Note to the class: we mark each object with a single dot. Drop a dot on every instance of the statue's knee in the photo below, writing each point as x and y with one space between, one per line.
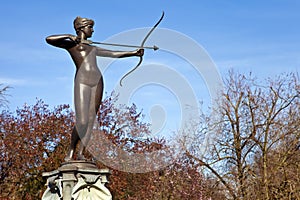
81 127
82 121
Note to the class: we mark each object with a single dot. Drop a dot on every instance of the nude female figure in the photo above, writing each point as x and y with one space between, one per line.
88 83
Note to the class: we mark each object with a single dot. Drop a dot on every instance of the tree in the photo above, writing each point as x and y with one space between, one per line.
251 122
32 142
278 141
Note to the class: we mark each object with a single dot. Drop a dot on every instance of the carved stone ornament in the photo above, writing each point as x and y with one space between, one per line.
77 180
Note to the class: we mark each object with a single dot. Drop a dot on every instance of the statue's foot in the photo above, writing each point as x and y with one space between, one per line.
69 156
80 157
67 159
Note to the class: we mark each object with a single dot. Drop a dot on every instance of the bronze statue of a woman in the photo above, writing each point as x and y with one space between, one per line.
88 83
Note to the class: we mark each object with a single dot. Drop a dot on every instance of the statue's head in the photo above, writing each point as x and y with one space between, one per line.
82 22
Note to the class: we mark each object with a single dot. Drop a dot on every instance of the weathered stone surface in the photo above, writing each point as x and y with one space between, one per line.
77 180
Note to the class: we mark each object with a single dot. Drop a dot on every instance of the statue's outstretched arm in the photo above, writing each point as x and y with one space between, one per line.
119 54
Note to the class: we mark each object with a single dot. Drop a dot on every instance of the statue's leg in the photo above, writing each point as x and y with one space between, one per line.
82 100
74 141
96 97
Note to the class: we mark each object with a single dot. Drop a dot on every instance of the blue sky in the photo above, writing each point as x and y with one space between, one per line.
257 36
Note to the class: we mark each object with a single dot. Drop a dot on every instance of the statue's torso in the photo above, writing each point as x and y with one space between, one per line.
84 57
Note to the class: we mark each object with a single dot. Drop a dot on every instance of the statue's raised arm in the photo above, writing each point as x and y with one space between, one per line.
65 41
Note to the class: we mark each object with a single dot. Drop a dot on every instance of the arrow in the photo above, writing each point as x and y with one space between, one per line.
126 45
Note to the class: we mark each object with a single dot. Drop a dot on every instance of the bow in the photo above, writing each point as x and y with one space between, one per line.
142 46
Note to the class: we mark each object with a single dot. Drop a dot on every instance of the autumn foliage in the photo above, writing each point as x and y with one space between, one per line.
32 142
35 140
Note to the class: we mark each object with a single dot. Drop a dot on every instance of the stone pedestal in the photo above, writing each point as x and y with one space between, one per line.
77 180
